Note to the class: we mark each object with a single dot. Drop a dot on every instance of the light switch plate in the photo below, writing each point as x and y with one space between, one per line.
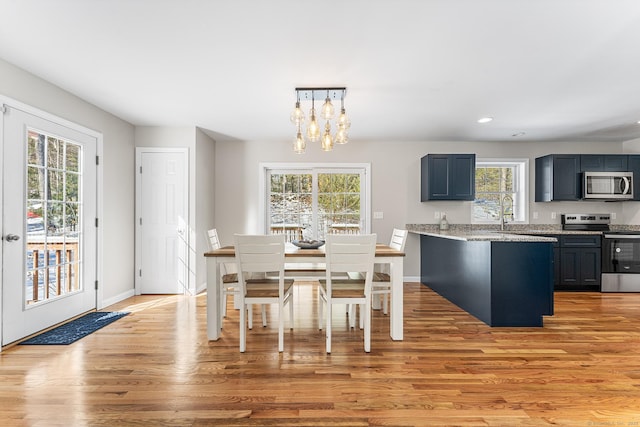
378 215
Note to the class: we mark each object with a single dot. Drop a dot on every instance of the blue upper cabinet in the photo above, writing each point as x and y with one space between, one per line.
558 177
603 163
448 177
634 166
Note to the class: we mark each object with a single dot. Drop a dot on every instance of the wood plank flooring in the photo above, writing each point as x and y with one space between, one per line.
156 367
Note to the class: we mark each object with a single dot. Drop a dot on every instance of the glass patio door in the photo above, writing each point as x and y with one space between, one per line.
315 202
49 211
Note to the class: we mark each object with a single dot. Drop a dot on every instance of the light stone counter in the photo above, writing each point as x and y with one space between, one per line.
484 235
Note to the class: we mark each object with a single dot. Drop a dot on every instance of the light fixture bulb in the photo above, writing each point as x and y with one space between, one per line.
341 136
308 127
327 110
327 139
299 144
297 117
343 121
313 130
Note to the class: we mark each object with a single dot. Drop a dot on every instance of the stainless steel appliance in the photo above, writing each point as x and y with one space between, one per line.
621 261
608 185
620 251
586 222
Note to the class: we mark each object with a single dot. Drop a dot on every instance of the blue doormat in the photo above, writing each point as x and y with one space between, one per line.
76 329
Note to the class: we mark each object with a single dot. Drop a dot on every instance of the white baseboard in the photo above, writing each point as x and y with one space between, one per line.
117 298
201 288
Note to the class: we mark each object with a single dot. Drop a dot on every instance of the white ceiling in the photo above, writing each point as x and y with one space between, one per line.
415 69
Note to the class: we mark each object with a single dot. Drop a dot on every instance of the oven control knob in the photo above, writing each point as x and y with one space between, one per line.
618 250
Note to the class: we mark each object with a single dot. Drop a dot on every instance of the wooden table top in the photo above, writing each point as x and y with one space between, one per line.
294 251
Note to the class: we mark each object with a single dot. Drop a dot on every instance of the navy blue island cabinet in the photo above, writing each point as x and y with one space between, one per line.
502 283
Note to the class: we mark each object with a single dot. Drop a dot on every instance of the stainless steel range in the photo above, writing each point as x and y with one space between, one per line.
621 261
586 222
620 251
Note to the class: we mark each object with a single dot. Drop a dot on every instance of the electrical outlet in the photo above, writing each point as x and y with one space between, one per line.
613 215
553 215
436 215
535 215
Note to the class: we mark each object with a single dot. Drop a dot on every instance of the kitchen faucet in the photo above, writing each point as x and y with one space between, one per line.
502 209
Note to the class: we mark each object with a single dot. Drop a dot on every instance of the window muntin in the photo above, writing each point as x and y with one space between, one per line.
501 189
54 209
312 202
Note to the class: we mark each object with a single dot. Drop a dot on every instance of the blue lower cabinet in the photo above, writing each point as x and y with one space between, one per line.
580 263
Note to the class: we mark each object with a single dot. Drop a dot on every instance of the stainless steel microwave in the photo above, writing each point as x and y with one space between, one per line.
608 185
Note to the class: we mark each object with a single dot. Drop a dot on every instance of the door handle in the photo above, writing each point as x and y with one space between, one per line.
625 189
11 237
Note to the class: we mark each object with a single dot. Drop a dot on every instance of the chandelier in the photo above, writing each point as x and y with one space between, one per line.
327 112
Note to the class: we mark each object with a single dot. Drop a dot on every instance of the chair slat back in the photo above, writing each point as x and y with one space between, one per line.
398 239
350 253
214 242
260 253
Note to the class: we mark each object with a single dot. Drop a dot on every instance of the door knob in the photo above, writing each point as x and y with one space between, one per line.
11 237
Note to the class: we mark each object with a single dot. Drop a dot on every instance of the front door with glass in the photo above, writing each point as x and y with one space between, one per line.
49 211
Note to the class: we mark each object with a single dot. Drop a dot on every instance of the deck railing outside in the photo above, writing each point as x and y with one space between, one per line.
291 231
53 270
295 231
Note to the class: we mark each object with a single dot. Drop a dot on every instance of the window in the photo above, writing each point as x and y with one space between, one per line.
309 202
501 190
54 205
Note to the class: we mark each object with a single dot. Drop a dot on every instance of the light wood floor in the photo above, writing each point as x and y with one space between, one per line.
156 367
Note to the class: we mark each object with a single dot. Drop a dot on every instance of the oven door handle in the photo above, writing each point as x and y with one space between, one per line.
622 236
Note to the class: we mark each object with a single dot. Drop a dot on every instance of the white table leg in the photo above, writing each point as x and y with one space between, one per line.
397 299
213 294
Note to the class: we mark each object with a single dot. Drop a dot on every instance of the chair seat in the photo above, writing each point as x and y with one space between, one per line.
381 277
230 278
345 288
265 288
377 277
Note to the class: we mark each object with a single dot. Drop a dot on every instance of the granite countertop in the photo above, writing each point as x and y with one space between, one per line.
484 235
513 232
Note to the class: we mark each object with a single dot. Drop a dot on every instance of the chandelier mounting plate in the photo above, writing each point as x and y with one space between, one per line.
320 93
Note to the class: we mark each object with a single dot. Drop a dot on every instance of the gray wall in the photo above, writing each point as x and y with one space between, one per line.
395 168
117 165
204 204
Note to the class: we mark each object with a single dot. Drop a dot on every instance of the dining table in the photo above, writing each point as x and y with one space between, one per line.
304 258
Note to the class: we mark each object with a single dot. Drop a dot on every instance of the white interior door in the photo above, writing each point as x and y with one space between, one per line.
49 235
162 224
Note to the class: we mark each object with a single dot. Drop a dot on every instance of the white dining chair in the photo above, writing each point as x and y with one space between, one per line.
229 281
381 274
345 254
260 263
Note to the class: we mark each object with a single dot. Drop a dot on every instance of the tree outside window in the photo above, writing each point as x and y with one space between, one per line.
500 192
312 203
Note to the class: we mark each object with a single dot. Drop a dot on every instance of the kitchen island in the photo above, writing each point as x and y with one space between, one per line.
502 279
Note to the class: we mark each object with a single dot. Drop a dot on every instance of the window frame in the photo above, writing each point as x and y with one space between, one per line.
314 168
521 178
